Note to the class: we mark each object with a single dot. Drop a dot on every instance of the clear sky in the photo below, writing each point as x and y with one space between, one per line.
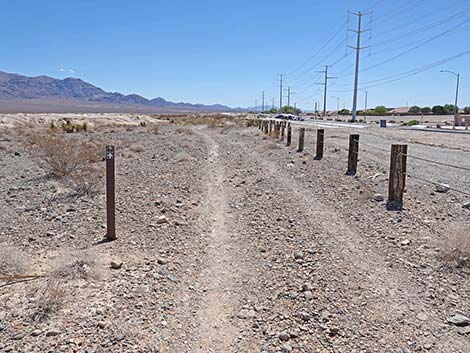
228 52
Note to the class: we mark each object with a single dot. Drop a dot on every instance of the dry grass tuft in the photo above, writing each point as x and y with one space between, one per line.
184 131
49 300
12 261
456 247
85 265
137 148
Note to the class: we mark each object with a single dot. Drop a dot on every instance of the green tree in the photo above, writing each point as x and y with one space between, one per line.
344 112
449 108
272 111
381 110
290 110
438 109
466 110
414 110
426 110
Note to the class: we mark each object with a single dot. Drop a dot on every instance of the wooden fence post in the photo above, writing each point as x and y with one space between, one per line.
320 143
301 139
397 178
289 135
283 130
270 127
265 127
110 195
353 154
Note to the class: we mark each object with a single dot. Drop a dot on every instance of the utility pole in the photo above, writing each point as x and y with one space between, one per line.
325 84
365 105
262 104
256 105
288 96
280 94
358 55
273 104
456 112
316 108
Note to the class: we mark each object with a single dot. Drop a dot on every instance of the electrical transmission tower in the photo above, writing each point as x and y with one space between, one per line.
325 88
358 55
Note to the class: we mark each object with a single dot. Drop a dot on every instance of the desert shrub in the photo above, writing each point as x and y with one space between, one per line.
62 157
76 265
456 247
154 130
184 131
251 122
48 300
12 261
412 123
86 182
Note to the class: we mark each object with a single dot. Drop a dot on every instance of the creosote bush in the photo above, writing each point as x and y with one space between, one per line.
61 156
456 247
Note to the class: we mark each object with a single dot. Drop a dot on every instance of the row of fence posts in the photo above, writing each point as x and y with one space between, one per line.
397 176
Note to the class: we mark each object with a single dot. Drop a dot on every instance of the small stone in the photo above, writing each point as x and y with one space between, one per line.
299 255
378 197
162 261
246 313
286 348
422 317
36 333
442 188
283 336
116 265
405 242
308 295
19 336
52 332
101 324
458 320
466 204
162 220
464 330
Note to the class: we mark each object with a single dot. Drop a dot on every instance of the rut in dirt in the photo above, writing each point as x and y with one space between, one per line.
220 276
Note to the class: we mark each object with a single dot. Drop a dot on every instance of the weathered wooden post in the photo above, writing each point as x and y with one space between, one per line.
270 127
283 130
278 130
110 195
397 178
301 139
266 127
320 143
353 154
289 135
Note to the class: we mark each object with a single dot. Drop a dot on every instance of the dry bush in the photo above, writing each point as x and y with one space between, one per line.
48 301
184 131
270 146
154 130
182 157
252 122
12 261
456 246
61 156
86 182
134 333
84 265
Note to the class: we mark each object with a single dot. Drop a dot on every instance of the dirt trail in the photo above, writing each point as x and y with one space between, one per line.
219 277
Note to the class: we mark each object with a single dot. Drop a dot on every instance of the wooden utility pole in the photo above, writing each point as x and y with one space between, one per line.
110 194
397 178
353 154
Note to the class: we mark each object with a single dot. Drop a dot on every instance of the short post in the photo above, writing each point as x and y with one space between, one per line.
283 130
289 135
397 178
353 154
301 139
270 127
278 130
320 143
266 127
110 196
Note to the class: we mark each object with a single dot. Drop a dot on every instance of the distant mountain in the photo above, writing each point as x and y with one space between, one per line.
41 90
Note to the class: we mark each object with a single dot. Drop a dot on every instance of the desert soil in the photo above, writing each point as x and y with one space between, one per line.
229 241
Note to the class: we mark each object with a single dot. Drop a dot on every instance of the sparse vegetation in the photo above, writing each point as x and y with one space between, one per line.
62 157
76 265
12 261
456 247
49 300
182 157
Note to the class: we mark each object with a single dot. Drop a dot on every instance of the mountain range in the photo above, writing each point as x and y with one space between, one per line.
20 93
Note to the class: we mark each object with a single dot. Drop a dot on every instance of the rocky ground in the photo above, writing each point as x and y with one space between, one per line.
228 241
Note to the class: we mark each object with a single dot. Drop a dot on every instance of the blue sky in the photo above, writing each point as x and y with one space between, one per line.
229 52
